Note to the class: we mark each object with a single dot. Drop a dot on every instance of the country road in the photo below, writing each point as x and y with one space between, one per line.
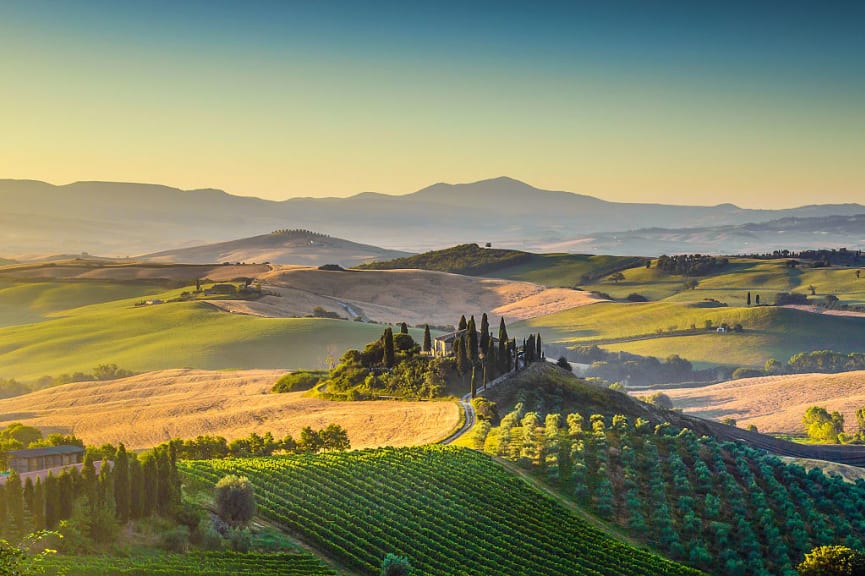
466 403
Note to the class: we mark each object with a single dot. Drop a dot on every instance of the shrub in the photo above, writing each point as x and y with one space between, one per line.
394 565
562 362
235 499
747 373
297 381
635 297
176 540
240 540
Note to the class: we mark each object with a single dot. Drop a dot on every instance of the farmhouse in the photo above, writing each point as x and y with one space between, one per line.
33 459
444 345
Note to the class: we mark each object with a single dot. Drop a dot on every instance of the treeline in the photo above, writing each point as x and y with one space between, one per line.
89 503
331 437
634 370
825 361
690 264
817 258
11 387
469 259
299 232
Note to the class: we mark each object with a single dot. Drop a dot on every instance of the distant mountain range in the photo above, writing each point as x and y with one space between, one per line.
122 219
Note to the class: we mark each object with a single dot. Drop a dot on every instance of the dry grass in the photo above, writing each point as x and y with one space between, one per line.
147 409
129 272
412 296
775 404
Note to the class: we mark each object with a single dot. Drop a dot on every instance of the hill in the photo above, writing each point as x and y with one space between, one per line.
468 259
281 247
775 404
449 510
148 409
118 219
412 296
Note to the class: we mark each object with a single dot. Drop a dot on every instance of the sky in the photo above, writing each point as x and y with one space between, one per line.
761 104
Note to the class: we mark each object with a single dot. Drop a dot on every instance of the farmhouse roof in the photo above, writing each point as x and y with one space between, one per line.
45 451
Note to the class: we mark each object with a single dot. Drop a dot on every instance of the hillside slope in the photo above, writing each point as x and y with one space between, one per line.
449 510
775 404
280 247
148 409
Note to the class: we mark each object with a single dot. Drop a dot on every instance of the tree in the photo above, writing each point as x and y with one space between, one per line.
562 362
539 349
310 440
462 324
334 437
15 503
403 328
389 357
235 500
691 284
472 340
748 299
757 300
474 388
616 277
394 565
122 492
813 290
19 560
485 334
832 561
427 339
822 426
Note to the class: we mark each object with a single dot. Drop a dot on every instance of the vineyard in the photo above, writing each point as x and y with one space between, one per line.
209 564
452 511
721 507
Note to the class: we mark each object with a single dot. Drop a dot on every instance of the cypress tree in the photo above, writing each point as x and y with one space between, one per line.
28 495
463 324
529 349
485 334
164 488
90 482
389 356
503 356
474 388
66 494
403 328
15 504
136 487
52 501
174 477
460 356
512 356
427 339
150 494
122 492
757 300
539 353
4 522
472 340
38 508
749 298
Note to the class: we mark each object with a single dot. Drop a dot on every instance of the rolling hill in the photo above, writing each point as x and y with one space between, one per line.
281 247
148 409
119 219
775 404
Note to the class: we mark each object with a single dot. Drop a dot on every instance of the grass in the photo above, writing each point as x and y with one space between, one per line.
187 334
563 270
664 328
28 302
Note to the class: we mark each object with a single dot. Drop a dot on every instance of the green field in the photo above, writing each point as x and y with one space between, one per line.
449 510
564 270
27 302
173 335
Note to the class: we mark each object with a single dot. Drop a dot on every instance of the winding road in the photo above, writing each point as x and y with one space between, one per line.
471 416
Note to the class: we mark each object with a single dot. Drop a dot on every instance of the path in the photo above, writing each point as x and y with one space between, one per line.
466 403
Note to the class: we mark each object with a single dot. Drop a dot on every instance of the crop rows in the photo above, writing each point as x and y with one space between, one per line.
452 511
722 507
210 564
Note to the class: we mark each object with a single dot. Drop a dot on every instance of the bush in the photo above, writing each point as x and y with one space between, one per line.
562 362
176 540
394 565
831 561
297 381
235 500
635 297
240 540
658 399
747 373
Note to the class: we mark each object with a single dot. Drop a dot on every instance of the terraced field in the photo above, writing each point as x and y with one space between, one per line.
450 510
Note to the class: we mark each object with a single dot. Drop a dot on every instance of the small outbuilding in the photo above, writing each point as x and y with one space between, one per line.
34 459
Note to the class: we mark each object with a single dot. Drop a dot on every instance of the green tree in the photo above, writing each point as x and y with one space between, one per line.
822 426
137 505
389 355
474 388
15 503
38 509
334 437
462 323
472 340
562 362
460 356
122 491
616 277
403 328
748 299
539 348
235 500
832 561
427 339
394 565
485 334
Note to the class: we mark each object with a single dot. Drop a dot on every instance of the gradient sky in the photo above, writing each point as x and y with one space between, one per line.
757 103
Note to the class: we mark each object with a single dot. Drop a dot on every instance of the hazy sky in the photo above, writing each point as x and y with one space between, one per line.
699 102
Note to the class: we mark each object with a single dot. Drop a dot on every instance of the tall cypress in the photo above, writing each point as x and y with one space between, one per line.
403 328
749 298
4 521
66 494
472 340
539 353
122 492
460 356
463 324
28 495
150 470
15 504
474 387
529 349
485 334
504 360
52 501
90 482
136 487
174 477
38 508
427 339
389 356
